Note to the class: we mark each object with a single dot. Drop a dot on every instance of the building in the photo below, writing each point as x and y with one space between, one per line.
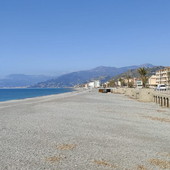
138 83
106 84
163 76
94 84
130 82
152 81
119 83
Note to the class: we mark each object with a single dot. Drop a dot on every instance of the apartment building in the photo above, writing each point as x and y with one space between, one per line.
163 76
152 81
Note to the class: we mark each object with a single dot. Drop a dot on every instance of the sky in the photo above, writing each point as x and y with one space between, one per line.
59 36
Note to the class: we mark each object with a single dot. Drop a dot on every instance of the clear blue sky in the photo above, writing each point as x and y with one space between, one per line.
51 36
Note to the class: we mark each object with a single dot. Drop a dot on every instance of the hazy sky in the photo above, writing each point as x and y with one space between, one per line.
51 36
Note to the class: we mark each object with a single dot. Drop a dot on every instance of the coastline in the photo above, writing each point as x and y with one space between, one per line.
83 129
36 97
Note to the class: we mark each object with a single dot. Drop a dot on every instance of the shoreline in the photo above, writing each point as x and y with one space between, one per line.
39 97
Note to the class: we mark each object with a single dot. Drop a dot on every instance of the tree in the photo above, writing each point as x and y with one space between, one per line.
131 84
143 75
122 82
128 77
111 83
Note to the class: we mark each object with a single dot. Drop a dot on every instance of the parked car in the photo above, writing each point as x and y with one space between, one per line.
161 87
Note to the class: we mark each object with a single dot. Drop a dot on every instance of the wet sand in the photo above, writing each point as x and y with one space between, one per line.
84 130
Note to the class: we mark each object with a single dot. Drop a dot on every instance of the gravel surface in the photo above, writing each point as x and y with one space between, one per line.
84 131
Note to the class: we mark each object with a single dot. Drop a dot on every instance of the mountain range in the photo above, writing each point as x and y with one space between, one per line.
67 80
103 73
21 80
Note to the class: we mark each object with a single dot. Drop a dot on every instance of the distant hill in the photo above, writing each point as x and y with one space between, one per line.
134 73
21 80
103 73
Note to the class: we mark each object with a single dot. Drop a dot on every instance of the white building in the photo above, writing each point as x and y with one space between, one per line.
119 83
94 84
97 84
91 84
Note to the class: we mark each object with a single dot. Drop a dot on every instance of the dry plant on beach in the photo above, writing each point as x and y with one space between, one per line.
104 163
141 167
161 163
66 146
54 159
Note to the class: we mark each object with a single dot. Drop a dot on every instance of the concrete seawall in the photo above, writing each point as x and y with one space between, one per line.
145 95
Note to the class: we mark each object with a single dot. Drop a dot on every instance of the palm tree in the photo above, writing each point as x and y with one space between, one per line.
143 75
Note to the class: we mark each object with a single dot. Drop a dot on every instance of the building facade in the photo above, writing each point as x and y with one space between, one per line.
138 83
94 84
163 76
152 81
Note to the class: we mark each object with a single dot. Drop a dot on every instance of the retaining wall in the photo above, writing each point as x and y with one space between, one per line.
145 95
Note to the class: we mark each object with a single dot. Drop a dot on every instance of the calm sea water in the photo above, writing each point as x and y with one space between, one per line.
13 94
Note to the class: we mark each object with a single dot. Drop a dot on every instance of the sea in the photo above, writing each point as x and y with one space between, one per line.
15 94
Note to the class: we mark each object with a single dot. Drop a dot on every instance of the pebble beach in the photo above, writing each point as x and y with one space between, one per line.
84 130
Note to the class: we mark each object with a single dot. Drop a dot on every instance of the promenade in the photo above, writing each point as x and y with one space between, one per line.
84 130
